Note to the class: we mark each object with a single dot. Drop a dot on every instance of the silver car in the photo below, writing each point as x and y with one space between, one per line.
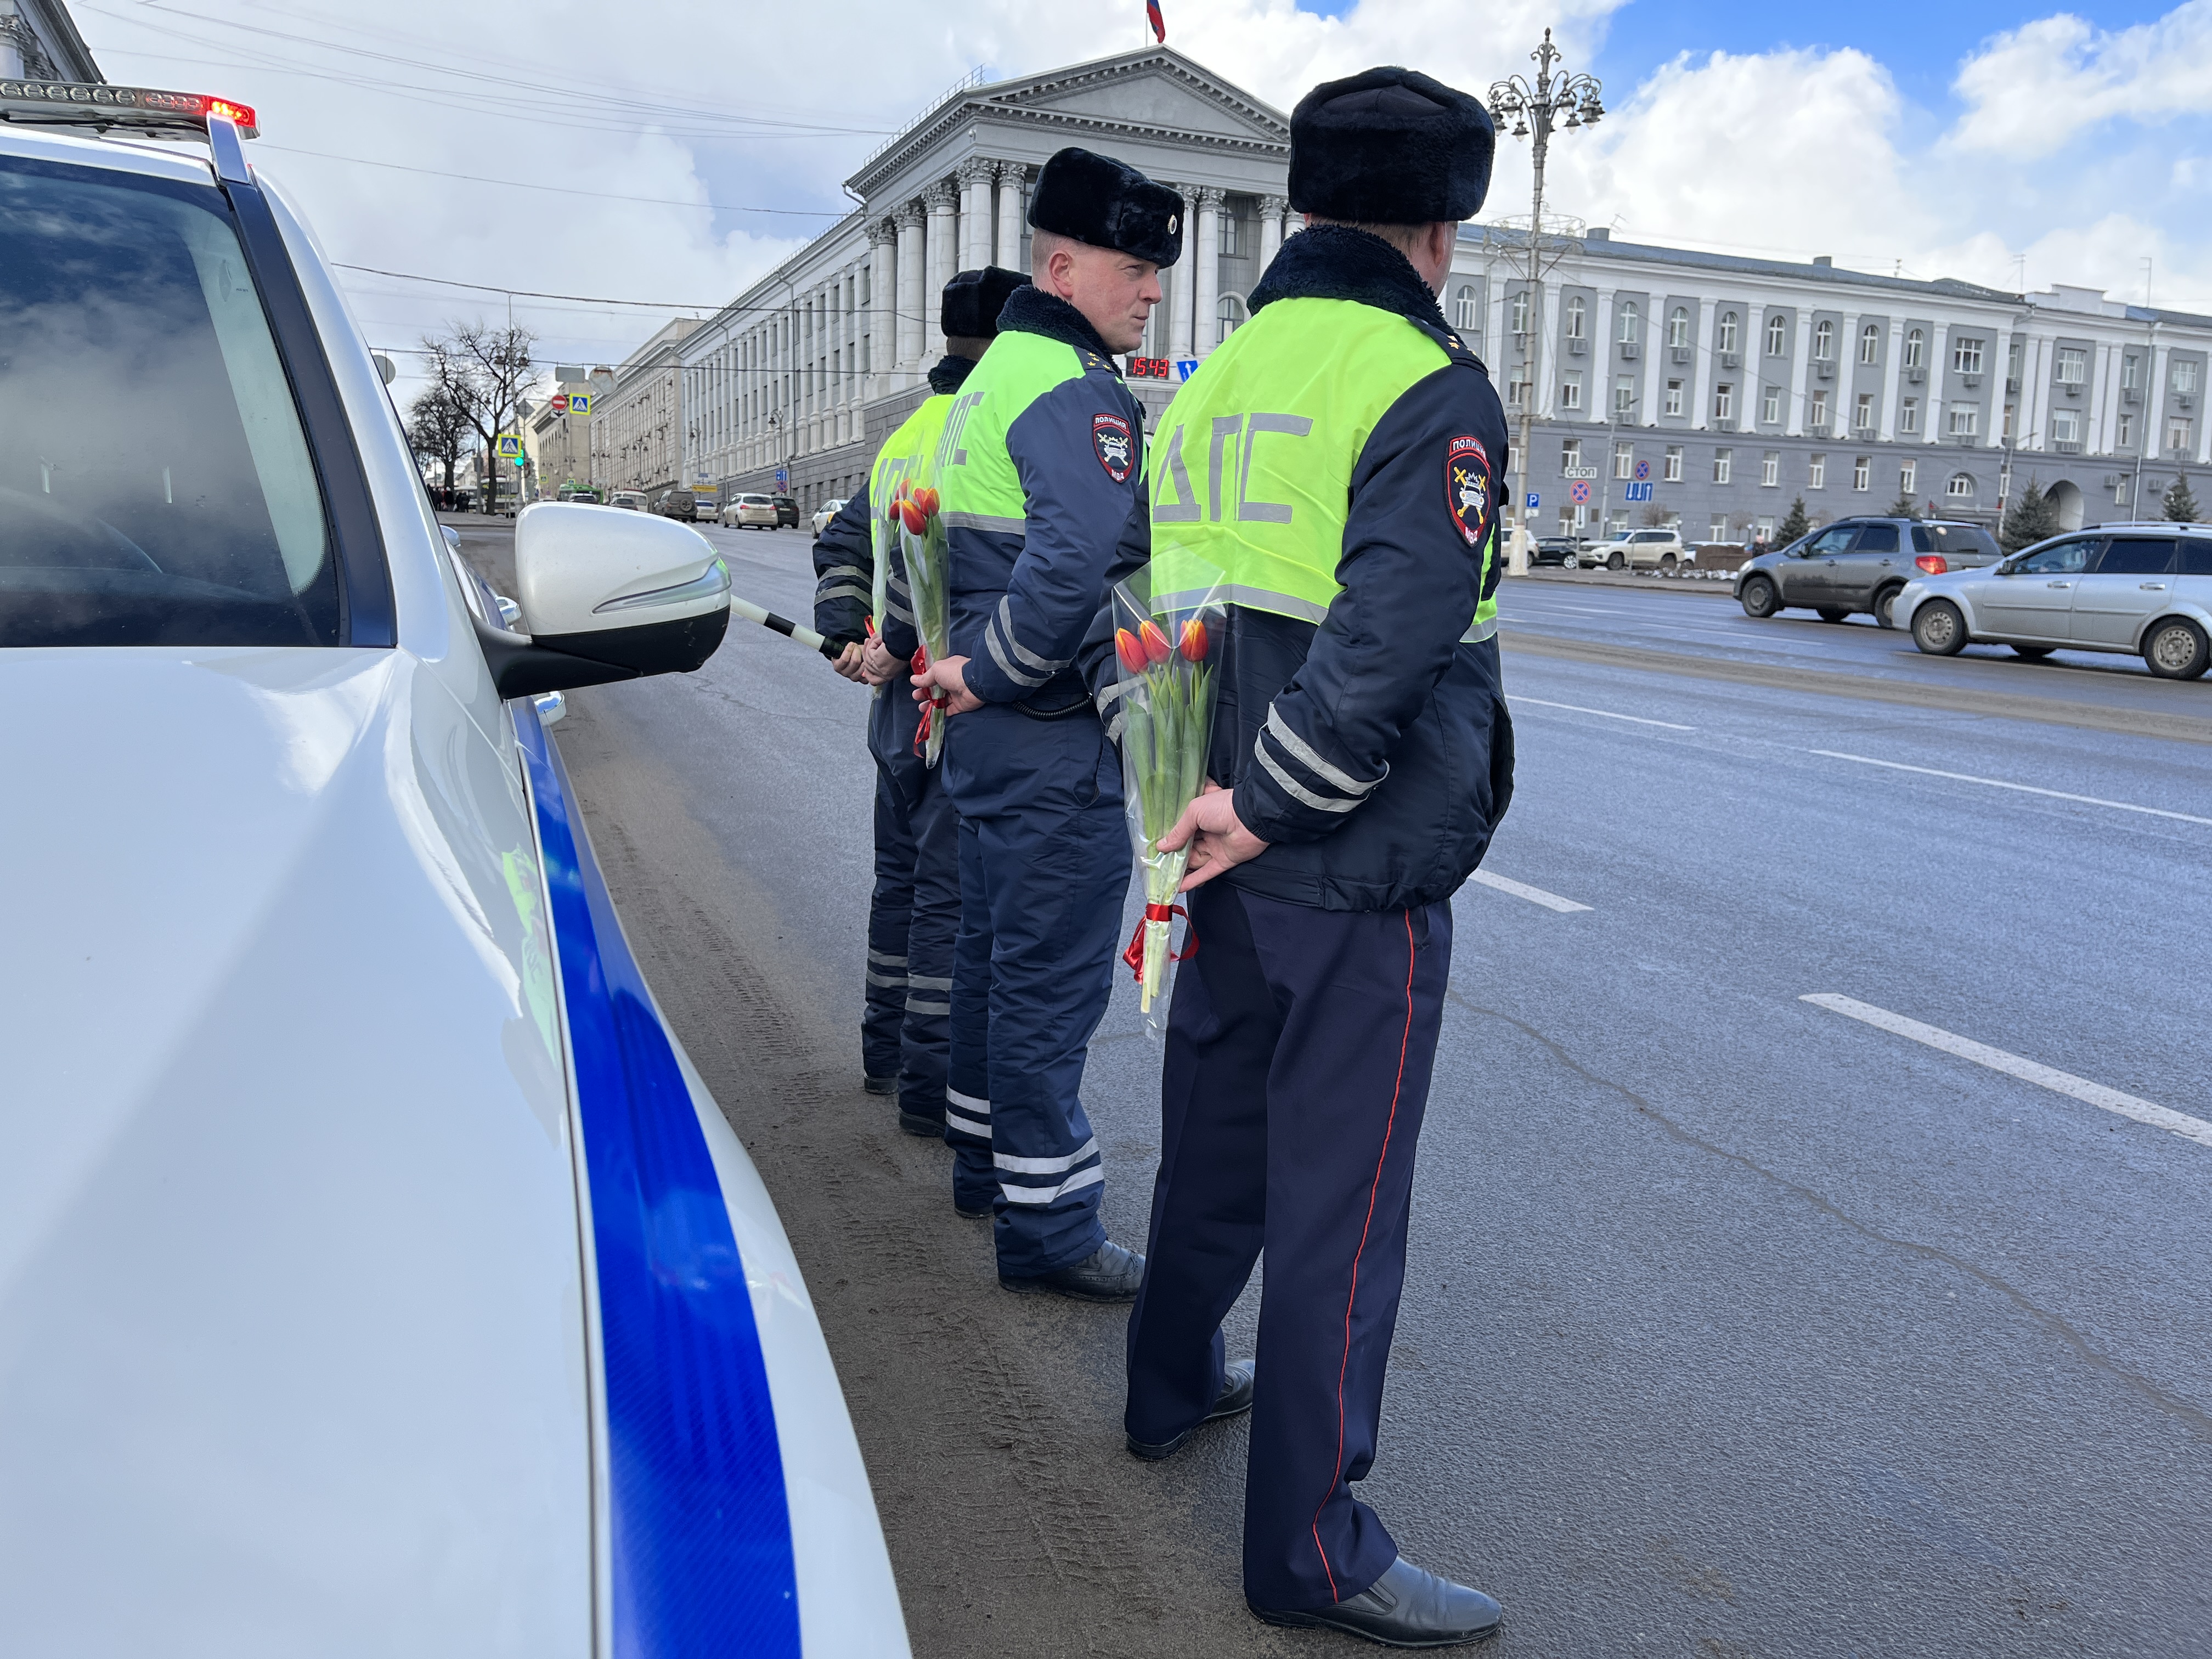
2142 589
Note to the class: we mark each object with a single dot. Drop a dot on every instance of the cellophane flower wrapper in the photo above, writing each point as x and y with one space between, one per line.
921 527
883 536
1166 661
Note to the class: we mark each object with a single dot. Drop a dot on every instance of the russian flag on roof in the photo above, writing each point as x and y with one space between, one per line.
1160 23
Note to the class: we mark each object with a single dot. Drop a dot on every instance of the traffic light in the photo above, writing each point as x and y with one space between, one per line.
518 460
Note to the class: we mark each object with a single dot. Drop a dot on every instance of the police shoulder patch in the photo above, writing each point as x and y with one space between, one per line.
1467 488
1111 437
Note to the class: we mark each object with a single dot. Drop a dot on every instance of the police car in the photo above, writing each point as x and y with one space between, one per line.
377 1275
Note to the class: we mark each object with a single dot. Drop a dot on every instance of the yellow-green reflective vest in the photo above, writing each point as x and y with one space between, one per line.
1249 474
981 490
903 456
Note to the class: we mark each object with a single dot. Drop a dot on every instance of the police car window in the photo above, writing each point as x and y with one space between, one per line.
155 483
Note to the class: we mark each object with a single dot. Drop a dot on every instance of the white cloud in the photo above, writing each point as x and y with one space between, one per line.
2032 90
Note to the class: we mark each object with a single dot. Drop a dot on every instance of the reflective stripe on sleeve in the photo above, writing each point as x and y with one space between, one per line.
1048 665
986 521
1019 676
1308 756
887 982
1297 790
1479 632
1014 1165
1093 1177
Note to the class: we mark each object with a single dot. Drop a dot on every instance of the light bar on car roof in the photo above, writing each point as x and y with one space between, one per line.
142 109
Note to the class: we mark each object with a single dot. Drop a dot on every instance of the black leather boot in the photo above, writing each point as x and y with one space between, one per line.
1409 1607
1233 1400
1108 1274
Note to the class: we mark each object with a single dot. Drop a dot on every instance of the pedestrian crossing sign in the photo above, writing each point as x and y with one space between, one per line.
579 402
510 446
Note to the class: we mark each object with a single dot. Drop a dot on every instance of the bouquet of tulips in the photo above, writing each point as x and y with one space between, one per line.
1167 676
913 511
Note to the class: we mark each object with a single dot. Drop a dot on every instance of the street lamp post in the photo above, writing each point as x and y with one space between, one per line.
1572 101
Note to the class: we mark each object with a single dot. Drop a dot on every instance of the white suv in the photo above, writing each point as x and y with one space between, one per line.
1641 550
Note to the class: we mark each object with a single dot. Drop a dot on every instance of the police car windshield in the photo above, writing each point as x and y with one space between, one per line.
155 483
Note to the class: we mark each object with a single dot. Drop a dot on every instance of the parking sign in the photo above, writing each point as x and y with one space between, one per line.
1642 470
1580 493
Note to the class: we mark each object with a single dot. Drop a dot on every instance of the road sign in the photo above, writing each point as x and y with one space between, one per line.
1580 492
782 478
559 401
1578 472
579 402
1642 470
1185 367
1534 500
1638 492
510 446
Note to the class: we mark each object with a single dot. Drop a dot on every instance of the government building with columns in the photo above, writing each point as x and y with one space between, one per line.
1668 385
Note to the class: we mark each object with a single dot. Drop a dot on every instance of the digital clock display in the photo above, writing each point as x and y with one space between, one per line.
1151 368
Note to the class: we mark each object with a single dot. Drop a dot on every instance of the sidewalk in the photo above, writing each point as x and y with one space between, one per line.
1553 573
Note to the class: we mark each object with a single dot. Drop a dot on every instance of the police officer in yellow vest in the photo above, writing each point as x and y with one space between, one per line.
1038 470
1336 462
905 1027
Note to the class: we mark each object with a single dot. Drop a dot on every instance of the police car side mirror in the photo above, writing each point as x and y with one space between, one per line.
606 596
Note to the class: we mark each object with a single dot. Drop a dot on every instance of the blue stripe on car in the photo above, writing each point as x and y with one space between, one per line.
701 1545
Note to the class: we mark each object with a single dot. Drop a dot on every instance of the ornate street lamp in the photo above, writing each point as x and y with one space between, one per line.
1570 102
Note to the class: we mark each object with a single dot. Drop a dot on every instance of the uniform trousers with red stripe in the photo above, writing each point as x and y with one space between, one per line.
1299 1046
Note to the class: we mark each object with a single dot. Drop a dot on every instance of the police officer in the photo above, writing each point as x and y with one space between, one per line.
904 1029
1337 462
1038 469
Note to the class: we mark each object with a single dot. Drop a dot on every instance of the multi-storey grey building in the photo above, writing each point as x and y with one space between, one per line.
1729 386
39 41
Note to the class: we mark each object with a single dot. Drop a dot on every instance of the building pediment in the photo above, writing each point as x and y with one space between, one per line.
1158 97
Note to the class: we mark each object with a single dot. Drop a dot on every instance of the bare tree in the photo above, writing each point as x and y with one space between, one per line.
436 425
483 371
1653 516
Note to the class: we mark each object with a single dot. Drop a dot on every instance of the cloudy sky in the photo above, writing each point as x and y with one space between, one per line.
667 150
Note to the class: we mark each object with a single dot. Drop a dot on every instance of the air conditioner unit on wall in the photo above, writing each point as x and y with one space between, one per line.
1916 375
1731 360
1681 354
1576 346
1971 382
2128 394
1825 369
1628 351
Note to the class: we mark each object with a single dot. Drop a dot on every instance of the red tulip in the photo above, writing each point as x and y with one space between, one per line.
1156 642
1192 643
926 498
911 515
1130 649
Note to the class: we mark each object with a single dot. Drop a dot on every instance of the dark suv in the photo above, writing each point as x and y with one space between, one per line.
677 503
1859 565
787 512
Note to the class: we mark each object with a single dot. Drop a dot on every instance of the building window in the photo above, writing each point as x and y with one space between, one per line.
2013 357
1623 396
1723 403
1907 477
1723 464
1770 469
2127 433
1463 311
1862 474
1716 531
2066 426
1678 326
2120 490
1916 348
1966 420
1824 341
1727 332
2180 433
1961 487
1816 473
1232 235
1908 418
1674 398
1624 460
1966 356
1233 316
1864 419
1673 464
1517 392
1630 320
1575 311
1769 404
1571 454
1870 343
2184 377
2131 371
1818 415
1778 337
1570 391
1521 312
2074 368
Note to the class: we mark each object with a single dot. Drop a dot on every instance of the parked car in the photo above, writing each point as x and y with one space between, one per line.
749 513
1565 552
1859 565
2143 589
828 511
380 1276
787 511
1640 549
632 499
677 503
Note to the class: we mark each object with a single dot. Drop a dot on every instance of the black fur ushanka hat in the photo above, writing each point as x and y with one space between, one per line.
1107 204
1390 147
974 299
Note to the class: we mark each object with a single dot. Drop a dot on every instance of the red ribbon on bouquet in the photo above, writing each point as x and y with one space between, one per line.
1134 955
937 701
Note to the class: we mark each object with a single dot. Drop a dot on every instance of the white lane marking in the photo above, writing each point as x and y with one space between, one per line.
1603 713
1534 894
2024 788
2065 1083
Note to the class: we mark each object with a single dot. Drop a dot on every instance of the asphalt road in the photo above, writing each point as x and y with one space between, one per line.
1734 1325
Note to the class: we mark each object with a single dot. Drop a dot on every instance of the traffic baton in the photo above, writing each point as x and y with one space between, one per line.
785 626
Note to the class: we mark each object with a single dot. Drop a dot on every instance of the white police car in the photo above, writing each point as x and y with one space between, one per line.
376 1274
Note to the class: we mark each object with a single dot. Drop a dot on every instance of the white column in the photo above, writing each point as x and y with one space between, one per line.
937 262
1657 357
882 300
1751 385
1938 366
911 332
1599 407
2154 407
849 380
1181 341
1701 388
977 178
1794 421
1270 228
1847 376
1893 368
1205 304
1011 177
